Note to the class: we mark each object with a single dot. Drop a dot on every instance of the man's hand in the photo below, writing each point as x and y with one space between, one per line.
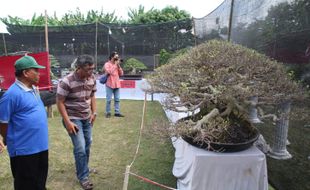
2 147
93 118
72 128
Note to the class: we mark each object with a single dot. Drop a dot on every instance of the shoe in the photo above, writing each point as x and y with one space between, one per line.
86 184
118 115
108 115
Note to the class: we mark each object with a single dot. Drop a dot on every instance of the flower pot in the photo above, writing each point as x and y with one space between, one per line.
223 147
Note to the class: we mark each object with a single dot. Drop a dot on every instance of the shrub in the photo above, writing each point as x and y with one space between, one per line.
133 66
215 80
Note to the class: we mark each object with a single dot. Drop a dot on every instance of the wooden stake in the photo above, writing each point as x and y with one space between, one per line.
126 179
96 46
4 45
49 108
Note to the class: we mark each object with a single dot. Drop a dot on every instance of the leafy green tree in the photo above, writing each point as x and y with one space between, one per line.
282 35
179 31
99 16
134 14
72 18
133 66
15 20
169 13
165 56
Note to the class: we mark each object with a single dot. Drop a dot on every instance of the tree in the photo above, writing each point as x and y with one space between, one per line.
165 56
71 18
215 81
134 14
133 65
282 35
284 28
169 13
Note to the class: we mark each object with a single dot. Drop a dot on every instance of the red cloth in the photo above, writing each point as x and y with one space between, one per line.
128 84
7 70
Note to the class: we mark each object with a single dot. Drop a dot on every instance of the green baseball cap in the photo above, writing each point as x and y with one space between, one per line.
27 62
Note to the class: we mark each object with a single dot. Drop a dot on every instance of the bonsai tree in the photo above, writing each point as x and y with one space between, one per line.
133 65
214 81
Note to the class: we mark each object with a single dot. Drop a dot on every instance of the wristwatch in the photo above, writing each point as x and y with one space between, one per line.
95 113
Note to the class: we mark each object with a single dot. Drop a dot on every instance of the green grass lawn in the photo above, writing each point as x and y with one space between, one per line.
114 146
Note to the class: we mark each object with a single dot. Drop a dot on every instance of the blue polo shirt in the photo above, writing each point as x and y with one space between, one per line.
23 110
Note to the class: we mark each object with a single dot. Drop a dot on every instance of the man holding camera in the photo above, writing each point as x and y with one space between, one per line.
113 84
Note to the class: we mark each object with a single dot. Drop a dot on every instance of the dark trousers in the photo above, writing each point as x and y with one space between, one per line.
30 171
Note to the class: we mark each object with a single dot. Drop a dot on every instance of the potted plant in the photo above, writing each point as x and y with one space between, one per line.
214 81
134 68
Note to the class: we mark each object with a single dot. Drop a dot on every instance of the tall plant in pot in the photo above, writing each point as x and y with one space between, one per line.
214 81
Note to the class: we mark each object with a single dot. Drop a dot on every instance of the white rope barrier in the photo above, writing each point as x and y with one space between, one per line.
126 179
127 172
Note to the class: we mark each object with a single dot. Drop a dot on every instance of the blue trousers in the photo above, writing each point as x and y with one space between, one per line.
81 147
109 93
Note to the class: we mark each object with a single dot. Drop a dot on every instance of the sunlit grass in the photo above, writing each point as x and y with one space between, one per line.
114 146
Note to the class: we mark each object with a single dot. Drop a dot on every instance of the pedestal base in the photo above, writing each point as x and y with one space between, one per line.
282 155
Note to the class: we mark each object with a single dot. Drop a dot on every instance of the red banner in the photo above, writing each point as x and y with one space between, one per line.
128 84
7 70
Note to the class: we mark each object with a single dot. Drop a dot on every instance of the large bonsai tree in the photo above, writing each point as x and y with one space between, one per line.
215 81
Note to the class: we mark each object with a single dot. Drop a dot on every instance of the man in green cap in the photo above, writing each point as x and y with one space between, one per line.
23 126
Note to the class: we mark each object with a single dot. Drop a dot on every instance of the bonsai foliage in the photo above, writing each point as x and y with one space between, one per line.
215 81
133 65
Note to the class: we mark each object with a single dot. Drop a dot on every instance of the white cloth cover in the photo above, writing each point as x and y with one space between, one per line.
198 169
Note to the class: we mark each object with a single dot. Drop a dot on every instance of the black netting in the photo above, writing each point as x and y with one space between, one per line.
66 42
279 29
